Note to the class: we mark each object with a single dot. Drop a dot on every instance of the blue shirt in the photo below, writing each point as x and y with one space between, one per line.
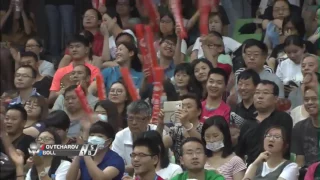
18 99
169 71
111 158
272 34
113 74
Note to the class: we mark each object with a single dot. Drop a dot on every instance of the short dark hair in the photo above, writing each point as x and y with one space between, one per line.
98 13
87 69
33 71
156 137
297 22
183 67
70 88
221 123
191 139
221 72
172 38
126 34
18 107
103 128
77 38
193 97
273 84
253 42
249 73
148 143
30 54
58 119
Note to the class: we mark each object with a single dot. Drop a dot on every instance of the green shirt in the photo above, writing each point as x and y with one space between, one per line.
209 175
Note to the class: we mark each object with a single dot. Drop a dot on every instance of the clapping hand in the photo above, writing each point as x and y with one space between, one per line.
17 157
37 160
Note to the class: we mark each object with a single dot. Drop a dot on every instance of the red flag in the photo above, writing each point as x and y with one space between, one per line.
129 82
176 8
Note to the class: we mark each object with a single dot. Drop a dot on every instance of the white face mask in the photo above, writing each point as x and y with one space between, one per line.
215 146
95 140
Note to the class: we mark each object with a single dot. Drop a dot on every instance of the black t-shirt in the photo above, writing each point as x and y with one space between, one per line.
239 114
252 132
59 2
22 142
268 13
43 86
305 141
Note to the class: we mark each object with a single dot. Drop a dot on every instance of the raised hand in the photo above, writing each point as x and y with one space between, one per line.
37 160
17 157
262 157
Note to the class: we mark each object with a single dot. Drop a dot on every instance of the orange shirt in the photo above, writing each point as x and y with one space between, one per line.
55 86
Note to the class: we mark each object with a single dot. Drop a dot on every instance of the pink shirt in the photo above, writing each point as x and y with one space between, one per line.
222 110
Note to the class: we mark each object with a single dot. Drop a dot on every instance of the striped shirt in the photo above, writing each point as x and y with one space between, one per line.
266 68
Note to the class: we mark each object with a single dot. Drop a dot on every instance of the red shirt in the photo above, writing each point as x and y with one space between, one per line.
222 110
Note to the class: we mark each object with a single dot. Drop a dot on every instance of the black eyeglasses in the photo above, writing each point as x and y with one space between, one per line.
140 155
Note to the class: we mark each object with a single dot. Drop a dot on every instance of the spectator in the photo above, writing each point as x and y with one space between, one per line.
164 168
251 133
35 45
60 121
79 48
145 158
37 111
215 24
183 80
255 54
59 14
201 69
80 75
43 83
12 135
127 13
248 81
24 78
304 135
213 104
75 111
190 126
138 117
110 164
272 164
109 109
45 166
120 96
216 136
193 159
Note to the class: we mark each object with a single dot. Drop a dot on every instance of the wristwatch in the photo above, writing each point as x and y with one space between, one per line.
43 174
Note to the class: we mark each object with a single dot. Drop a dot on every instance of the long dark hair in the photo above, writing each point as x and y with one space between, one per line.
221 123
135 61
56 160
89 36
112 113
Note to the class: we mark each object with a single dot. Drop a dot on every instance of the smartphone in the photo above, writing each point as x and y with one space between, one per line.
169 109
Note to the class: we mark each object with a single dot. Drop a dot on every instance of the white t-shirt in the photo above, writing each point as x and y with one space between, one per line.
46 69
170 171
290 172
230 45
287 71
60 173
298 114
112 43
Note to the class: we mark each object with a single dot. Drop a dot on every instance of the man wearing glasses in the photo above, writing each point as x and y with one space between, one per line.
24 78
265 100
138 117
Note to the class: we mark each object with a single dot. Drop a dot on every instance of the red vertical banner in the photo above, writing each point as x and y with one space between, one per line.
97 3
147 63
205 8
83 100
102 95
153 13
177 13
150 45
129 82
157 93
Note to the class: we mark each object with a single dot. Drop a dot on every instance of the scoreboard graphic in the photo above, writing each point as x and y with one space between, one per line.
63 150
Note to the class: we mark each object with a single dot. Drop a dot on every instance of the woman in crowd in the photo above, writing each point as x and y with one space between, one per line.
47 167
128 14
183 79
201 69
60 121
126 56
289 70
271 164
120 96
167 28
37 110
109 110
292 25
106 164
216 136
164 169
